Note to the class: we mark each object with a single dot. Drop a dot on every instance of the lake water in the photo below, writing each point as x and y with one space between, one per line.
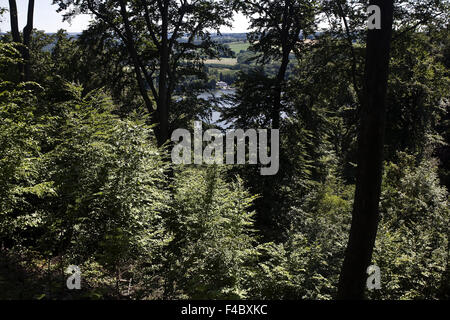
216 114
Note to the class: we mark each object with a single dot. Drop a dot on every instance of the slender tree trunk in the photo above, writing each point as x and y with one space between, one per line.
131 48
24 67
164 97
15 31
27 39
14 21
365 215
161 115
276 111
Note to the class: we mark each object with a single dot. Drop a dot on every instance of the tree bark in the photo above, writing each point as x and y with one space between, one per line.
27 39
15 31
365 214
164 96
161 114
131 48
278 89
24 67
14 21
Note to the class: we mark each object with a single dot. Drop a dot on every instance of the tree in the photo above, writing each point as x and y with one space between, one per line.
24 69
279 27
412 246
165 41
365 214
213 238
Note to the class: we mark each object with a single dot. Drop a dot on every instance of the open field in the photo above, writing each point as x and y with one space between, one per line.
224 70
223 61
237 46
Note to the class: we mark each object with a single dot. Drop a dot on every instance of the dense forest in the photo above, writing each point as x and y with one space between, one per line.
87 180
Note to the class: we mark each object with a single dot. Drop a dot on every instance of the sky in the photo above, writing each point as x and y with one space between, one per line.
46 18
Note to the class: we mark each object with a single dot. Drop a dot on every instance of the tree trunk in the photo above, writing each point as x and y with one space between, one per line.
15 30
164 98
27 39
278 90
14 21
131 48
365 215
24 67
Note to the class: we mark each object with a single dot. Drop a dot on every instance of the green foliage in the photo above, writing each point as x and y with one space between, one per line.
276 25
110 182
306 266
248 107
9 56
86 185
82 181
418 95
413 238
20 134
213 236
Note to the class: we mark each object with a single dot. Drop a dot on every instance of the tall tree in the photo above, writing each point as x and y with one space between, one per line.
27 38
24 68
370 158
165 40
14 21
278 27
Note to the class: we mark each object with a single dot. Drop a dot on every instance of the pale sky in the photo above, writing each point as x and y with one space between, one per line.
46 18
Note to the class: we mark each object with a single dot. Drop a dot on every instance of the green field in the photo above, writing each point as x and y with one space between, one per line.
237 46
222 61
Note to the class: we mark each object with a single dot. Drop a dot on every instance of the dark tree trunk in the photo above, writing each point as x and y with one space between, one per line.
27 39
24 67
131 48
278 89
164 97
161 114
15 31
370 159
14 21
